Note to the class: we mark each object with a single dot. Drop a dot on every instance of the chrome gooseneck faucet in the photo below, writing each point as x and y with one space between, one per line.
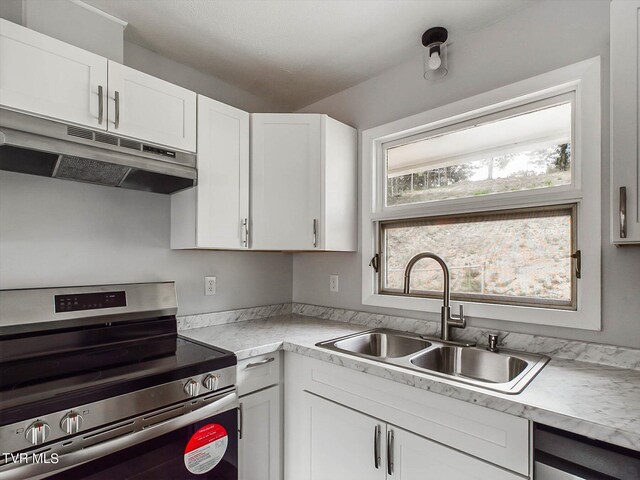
447 320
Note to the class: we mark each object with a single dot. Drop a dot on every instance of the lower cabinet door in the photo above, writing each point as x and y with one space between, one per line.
343 443
260 439
412 457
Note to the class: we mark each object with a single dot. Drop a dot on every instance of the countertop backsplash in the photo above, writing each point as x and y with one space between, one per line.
610 355
200 320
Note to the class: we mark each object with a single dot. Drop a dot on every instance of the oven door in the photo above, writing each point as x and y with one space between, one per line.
201 444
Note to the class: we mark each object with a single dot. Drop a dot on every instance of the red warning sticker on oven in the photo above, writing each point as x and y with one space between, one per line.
206 448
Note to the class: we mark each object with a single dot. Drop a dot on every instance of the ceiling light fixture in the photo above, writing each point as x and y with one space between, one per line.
435 58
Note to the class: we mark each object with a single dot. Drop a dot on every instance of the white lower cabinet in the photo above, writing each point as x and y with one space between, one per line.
344 424
346 444
341 443
260 418
413 457
259 435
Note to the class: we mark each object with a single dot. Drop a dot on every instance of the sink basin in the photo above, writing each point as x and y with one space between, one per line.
472 363
382 344
504 371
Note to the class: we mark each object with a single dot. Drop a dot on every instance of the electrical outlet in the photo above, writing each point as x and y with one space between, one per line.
210 285
333 283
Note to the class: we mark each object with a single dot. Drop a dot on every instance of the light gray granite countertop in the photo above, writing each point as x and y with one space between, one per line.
597 401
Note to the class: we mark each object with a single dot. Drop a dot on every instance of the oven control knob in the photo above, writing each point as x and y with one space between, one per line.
71 423
211 381
38 432
191 388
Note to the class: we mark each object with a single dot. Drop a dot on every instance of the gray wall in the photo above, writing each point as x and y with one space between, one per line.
150 62
548 35
75 24
55 233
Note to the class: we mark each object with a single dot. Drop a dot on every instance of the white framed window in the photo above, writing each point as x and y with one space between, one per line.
505 186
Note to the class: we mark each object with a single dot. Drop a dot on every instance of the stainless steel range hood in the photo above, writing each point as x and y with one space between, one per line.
51 149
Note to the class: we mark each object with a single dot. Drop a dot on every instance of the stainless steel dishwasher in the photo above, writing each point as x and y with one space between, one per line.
561 455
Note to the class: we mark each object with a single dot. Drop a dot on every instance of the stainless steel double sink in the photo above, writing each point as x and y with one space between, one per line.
504 371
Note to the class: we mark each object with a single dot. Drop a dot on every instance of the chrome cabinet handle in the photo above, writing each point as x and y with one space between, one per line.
116 122
100 105
390 452
245 232
260 363
623 212
240 420
376 446
315 232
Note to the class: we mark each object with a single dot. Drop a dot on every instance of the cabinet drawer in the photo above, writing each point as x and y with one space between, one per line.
258 372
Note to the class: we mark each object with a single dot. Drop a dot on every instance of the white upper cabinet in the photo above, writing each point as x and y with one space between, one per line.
303 183
215 214
49 78
625 127
147 108
285 179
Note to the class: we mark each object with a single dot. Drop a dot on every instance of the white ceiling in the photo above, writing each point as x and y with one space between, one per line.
295 52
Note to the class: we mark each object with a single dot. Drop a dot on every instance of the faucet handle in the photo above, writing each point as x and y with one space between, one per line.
459 321
463 321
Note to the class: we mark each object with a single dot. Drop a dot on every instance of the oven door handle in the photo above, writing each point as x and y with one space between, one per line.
73 459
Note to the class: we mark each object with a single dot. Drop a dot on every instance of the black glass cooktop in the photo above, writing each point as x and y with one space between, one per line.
34 386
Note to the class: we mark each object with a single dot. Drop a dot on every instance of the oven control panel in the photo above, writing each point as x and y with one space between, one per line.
82 418
89 301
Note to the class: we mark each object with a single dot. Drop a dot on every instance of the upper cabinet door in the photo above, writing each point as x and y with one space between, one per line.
625 127
46 77
285 181
223 175
149 109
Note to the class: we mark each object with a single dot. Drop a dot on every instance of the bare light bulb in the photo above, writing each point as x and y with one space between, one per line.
434 61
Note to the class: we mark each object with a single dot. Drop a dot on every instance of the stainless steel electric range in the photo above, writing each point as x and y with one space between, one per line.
95 383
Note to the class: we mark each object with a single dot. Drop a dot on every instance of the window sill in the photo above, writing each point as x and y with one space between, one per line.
579 319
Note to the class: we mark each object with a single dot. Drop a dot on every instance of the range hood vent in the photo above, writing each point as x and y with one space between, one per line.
42 147
81 133
90 171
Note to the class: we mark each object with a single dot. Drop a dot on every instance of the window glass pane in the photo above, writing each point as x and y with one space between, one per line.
519 257
523 152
